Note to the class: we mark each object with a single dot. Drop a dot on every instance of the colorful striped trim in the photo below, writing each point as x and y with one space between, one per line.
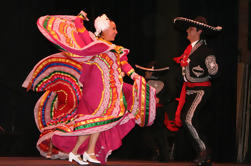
147 105
98 123
142 96
81 30
42 85
54 62
130 72
123 62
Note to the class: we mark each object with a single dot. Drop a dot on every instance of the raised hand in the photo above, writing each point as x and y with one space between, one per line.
84 15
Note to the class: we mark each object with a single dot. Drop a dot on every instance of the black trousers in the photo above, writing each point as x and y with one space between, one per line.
194 116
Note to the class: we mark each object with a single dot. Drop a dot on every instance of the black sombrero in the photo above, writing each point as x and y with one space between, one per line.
199 22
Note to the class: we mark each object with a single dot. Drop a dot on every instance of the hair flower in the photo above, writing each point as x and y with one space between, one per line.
101 23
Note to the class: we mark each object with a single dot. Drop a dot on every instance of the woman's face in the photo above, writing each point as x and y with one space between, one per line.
110 33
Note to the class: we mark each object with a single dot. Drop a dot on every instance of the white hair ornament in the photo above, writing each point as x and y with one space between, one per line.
101 23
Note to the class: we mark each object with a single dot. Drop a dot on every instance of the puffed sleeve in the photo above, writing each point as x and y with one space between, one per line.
125 66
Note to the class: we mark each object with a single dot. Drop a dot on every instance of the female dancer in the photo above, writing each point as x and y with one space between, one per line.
87 108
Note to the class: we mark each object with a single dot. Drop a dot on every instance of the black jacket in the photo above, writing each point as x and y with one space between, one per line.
202 64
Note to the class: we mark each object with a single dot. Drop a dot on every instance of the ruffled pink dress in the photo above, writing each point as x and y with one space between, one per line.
84 92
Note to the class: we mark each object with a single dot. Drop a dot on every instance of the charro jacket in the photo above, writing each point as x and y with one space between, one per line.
202 65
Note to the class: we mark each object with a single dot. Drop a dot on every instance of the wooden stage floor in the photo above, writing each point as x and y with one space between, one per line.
39 161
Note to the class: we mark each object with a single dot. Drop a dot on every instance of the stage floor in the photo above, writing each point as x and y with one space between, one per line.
39 161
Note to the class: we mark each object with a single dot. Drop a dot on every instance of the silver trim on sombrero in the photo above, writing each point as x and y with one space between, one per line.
218 28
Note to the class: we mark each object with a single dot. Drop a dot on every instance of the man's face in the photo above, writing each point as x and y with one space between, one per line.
193 34
148 74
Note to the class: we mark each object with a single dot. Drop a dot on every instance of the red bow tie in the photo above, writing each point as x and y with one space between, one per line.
184 57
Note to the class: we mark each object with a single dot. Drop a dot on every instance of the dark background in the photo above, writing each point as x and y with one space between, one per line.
145 27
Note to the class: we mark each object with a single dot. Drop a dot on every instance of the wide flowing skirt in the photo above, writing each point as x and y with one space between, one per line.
85 97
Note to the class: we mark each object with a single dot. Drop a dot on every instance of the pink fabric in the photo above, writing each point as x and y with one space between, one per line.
92 49
78 39
64 39
123 56
127 90
110 139
107 142
92 88
100 73
126 67
84 35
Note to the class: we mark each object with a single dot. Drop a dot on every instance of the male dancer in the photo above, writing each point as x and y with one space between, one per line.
199 66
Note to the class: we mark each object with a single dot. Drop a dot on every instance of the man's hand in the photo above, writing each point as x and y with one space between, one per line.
157 100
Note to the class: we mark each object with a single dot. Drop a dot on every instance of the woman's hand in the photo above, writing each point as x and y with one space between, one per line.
83 15
122 74
135 76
